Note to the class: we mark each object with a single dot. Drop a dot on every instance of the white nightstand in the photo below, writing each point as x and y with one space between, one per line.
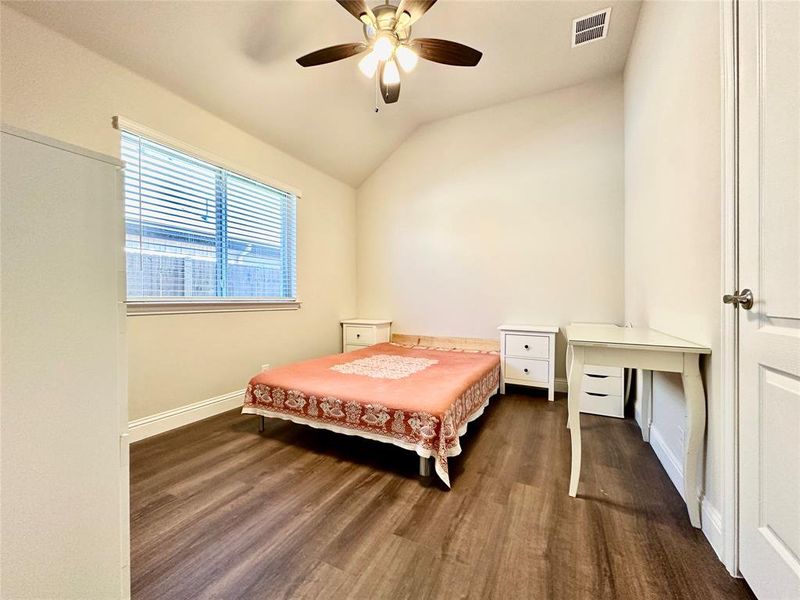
528 356
360 333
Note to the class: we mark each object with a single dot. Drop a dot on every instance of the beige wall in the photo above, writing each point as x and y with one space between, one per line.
52 86
508 214
672 203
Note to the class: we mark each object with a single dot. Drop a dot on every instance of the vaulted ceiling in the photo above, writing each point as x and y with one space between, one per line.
237 60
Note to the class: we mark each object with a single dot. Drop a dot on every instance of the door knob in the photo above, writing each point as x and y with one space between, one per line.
743 299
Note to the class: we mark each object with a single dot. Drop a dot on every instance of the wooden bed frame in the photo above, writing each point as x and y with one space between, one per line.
459 343
429 341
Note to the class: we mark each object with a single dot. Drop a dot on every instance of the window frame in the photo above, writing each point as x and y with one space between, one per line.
196 305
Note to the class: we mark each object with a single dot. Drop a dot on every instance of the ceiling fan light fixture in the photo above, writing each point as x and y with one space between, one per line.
391 75
407 58
403 19
368 65
383 47
389 47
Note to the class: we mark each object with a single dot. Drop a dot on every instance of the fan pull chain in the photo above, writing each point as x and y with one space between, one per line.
377 92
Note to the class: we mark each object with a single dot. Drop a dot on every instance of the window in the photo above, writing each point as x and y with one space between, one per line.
196 231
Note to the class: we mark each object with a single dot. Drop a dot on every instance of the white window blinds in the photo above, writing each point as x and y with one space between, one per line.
199 231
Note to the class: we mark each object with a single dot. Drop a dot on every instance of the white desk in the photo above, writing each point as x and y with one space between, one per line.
639 348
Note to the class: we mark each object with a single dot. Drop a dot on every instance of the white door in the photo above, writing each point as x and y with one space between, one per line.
769 265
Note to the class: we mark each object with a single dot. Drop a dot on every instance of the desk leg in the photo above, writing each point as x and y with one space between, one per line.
573 408
695 428
644 384
569 374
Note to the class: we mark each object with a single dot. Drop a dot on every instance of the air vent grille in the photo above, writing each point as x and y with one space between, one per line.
590 28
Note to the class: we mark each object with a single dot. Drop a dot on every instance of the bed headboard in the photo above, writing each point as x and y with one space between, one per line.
447 342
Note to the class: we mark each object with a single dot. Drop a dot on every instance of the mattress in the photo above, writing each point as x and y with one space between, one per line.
418 398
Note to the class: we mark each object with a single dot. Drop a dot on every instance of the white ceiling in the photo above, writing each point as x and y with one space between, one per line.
237 60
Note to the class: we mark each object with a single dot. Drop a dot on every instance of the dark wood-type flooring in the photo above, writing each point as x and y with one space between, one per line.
221 511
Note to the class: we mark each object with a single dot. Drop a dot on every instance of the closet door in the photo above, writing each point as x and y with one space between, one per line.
769 328
64 408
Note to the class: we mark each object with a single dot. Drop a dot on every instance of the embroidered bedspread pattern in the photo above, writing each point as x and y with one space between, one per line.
417 398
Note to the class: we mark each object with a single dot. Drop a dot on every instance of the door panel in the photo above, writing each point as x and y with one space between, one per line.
780 424
769 264
780 162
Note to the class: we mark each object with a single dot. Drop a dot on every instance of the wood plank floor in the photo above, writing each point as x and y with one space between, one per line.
221 511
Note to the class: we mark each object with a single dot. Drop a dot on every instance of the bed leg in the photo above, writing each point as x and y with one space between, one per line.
260 424
424 467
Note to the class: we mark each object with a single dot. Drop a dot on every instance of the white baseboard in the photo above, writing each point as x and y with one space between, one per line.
711 520
671 463
710 517
145 427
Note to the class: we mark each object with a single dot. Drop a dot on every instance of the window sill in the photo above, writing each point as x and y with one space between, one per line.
176 307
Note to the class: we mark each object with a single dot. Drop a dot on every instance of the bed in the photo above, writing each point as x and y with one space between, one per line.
416 393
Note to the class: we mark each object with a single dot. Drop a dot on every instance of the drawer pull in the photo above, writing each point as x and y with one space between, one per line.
526 347
596 394
597 376
526 370
358 335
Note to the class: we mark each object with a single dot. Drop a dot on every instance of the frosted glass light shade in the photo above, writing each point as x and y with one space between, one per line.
368 65
407 58
391 76
383 48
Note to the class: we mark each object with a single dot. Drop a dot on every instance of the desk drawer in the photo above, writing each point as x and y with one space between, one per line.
528 346
602 384
360 336
526 369
598 370
606 405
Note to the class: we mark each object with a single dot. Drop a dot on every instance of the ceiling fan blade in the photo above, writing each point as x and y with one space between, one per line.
357 8
415 9
446 52
331 54
389 93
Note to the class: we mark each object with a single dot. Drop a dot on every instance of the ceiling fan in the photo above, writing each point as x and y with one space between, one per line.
387 31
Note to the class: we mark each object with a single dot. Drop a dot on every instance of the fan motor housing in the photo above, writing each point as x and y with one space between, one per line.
385 17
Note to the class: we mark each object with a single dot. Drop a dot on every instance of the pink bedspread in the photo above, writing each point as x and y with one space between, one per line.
417 398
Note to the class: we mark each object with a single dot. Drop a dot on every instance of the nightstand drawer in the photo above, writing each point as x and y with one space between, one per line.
607 405
360 336
602 384
528 346
526 369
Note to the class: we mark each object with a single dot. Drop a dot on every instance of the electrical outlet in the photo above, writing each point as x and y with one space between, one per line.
265 367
